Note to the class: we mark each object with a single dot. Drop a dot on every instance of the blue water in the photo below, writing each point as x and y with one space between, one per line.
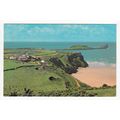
105 56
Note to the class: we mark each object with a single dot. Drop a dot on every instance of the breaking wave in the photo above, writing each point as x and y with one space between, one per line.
100 64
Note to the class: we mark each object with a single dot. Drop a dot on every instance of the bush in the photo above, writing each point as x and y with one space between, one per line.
105 86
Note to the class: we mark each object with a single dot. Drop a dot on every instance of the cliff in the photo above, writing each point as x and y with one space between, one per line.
71 63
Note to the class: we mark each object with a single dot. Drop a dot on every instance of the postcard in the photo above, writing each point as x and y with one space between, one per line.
59 59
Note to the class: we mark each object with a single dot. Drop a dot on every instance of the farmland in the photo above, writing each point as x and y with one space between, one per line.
51 78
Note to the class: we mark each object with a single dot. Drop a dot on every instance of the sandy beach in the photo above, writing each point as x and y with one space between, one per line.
97 76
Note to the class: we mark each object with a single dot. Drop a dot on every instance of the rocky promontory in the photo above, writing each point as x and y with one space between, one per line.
71 63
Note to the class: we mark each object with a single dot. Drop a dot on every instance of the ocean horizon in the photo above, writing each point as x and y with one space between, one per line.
95 57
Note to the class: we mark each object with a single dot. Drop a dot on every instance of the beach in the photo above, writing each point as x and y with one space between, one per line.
97 76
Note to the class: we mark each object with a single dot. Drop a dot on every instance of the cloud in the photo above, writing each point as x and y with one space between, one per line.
37 30
14 27
58 31
87 27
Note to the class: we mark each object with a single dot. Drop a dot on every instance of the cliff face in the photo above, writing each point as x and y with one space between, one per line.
70 64
77 60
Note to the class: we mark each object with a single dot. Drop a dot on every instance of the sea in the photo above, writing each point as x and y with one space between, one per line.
96 57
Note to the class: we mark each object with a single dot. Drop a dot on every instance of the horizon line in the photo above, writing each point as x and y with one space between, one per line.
59 41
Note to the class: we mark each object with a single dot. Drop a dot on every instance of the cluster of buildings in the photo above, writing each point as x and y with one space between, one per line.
27 58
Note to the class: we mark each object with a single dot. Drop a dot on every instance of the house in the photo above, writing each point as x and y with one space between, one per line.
35 58
12 58
24 58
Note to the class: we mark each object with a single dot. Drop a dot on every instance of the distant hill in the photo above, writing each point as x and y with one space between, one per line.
85 47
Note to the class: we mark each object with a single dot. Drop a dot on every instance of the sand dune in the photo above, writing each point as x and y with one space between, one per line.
97 76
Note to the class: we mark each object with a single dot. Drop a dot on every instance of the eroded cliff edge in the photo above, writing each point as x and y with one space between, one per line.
70 63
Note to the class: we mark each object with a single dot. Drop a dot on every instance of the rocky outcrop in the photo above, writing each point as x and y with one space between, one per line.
57 62
75 60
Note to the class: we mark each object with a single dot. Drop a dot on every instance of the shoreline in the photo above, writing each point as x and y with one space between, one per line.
97 76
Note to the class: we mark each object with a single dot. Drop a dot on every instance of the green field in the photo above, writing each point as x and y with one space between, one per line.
35 80
110 91
29 81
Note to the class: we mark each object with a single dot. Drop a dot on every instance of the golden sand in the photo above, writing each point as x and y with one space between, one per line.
97 76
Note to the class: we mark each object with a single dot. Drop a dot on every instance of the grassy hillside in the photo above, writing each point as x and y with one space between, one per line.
30 78
36 80
108 91
85 47
79 47
49 80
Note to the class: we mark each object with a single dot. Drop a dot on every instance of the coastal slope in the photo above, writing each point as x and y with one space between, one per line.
39 72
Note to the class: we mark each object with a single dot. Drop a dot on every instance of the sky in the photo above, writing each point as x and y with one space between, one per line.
60 32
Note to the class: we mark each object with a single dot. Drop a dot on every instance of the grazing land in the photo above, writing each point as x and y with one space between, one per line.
40 72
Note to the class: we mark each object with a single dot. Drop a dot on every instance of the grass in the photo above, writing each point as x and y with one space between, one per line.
38 80
110 91
35 80
78 47
11 64
44 53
